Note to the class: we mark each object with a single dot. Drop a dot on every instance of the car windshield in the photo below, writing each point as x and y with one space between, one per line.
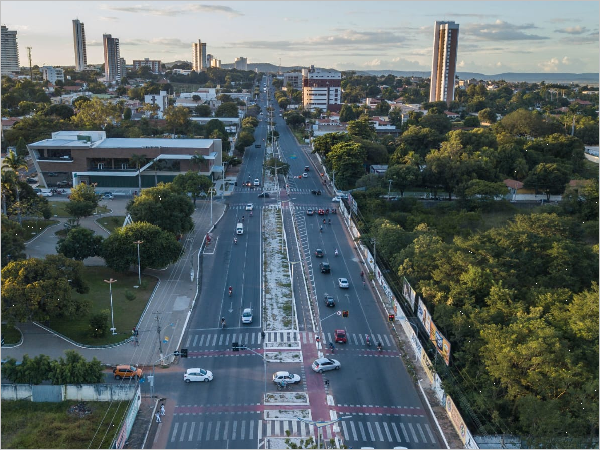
247 314
202 372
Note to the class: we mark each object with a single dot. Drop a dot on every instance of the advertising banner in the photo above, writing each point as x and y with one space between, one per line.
426 363
442 344
459 424
409 294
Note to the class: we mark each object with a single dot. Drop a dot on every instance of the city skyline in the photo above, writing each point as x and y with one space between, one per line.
531 37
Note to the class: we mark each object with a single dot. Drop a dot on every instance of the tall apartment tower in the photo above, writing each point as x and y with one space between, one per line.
241 63
79 46
112 58
10 52
199 56
443 67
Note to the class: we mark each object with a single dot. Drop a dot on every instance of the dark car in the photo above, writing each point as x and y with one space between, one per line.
310 212
319 253
306 168
329 301
264 195
32 180
324 266
340 336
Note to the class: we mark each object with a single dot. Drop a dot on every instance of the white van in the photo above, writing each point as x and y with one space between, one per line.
239 229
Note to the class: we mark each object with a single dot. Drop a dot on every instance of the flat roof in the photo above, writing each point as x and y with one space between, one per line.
153 142
62 143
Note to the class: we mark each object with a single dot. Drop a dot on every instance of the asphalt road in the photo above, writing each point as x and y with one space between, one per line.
372 390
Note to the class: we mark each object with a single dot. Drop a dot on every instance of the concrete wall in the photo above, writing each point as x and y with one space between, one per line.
81 392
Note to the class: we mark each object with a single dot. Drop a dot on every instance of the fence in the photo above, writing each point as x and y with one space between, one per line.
80 392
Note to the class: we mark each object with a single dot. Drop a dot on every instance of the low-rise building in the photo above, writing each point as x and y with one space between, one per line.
53 74
90 157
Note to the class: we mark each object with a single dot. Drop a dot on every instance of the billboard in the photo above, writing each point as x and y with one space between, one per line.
442 344
409 294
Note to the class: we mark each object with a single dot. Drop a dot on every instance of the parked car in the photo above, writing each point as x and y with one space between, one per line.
264 195
343 283
289 378
247 315
340 336
324 364
45 193
325 268
127 371
329 301
319 253
335 199
197 374
31 180
108 196
63 183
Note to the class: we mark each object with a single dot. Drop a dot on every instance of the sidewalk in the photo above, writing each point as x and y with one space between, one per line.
171 301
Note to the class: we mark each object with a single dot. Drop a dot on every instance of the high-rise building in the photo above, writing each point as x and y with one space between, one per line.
10 52
79 46
443 67
112 58
199 56
322 89
241 63
209 60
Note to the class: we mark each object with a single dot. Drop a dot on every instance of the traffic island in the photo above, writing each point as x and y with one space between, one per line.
286 398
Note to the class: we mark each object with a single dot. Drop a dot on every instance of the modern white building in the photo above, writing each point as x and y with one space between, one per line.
162 100
9 51
53 74
322 89
199 56
112 58
241 63
79 45
293 78
443 67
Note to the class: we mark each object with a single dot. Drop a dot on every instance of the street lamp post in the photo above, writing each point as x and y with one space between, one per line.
320 424
112 317
139 265
389 189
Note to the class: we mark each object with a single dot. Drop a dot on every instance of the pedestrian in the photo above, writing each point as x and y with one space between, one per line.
158 418
162 409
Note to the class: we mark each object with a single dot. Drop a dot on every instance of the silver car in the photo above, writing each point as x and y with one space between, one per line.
289 378
324 364
343 283
197 375
247 315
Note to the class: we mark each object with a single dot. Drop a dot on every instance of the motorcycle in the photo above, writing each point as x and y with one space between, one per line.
368 340
230 290
332 347
336 252
379 346
235 240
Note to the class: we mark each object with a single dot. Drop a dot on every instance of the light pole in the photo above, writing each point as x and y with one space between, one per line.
320 424
139 265
112 317
389 189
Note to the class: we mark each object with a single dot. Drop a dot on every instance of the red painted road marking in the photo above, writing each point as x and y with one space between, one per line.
380 410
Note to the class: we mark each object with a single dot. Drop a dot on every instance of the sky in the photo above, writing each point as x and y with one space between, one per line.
494 37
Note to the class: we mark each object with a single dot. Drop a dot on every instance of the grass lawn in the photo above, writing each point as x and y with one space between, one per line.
33 227
10 334
58 209
111 222
26 424
126 312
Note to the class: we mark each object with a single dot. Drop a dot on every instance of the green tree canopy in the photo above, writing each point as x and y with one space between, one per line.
193 184
347 159
228 109
96 114
159 248
80 243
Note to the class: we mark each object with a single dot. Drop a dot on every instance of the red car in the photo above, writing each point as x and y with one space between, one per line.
321 212
340 336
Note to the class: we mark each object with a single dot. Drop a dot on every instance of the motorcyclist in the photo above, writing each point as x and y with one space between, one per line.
230 290
379 346
368 340
242 218
331 347
321 229
336 252
250 213
329 221
223 322
235 240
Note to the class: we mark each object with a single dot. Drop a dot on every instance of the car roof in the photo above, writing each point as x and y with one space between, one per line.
282 372
247 310
193 370
340 331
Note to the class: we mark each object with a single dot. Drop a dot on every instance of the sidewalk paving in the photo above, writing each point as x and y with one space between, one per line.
171 301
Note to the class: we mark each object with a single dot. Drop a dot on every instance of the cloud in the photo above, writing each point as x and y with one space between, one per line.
147 9
500 31
572 30
94 43
109 18
591 38
558 65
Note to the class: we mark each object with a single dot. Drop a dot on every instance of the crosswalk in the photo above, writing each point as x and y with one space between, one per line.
387 430
288 338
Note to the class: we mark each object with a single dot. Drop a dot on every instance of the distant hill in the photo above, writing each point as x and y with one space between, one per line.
579 78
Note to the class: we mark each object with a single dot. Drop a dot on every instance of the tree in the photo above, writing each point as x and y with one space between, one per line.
21 147
471 121
164 206
80 243
159 248
16 163
30 371
347 113
99 324
361 128
13 244
324 144
203 111
437 122
138 161
487 116
403 176
96 114
228 109
192 183
178 119
347 159
76 370
282 167
214 125
549 178
36 289
83 201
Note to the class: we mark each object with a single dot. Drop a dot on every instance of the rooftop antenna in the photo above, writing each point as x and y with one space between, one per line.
30 69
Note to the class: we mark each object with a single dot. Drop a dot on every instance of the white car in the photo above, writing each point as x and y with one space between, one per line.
249 207
304 175
247 316
324 364
335 199
256 182
197 375
343 283
289 378
45 194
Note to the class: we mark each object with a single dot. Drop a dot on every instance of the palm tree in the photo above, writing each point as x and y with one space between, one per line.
197 159
15 163
157 165
138 160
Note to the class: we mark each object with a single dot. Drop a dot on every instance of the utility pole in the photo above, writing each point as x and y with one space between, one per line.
158 332
30 69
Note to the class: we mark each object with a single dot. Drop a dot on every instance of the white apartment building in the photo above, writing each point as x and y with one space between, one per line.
321 89
443 67
241 63
53 74
112 58
9 52
199 56
162 100
79 45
